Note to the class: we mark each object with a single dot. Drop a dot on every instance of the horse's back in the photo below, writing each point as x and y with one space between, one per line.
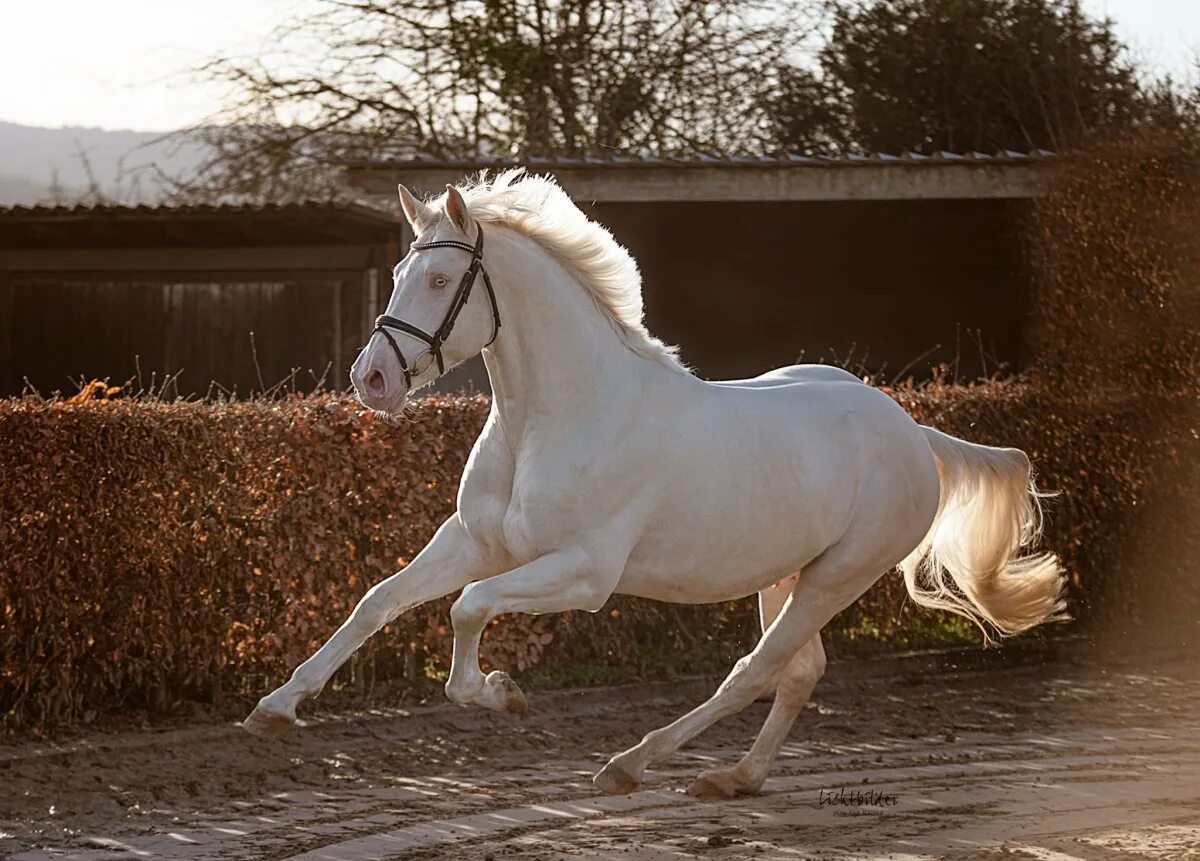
809 402
793 374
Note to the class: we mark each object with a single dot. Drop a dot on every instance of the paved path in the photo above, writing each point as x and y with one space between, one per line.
1067 761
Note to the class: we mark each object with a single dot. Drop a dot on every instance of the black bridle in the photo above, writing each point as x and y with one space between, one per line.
438 338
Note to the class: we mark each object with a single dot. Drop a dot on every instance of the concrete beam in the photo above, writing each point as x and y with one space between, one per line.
898 180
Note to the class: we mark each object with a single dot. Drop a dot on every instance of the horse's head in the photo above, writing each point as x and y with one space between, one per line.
442 311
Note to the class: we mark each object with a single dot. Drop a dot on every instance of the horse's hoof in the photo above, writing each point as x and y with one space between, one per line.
514 701
501 693
265 724
614 780
719 784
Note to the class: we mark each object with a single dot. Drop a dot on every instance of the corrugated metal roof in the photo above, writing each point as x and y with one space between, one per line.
701 161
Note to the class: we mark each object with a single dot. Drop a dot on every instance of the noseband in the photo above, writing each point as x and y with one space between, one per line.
438 338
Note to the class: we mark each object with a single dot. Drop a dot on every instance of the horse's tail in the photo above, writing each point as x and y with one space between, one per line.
989 511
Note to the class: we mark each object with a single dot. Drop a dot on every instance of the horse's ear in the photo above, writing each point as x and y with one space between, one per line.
456 208
418 214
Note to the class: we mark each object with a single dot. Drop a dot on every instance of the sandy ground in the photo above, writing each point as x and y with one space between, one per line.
1078 759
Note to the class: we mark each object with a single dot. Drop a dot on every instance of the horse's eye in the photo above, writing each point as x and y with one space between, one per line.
440 281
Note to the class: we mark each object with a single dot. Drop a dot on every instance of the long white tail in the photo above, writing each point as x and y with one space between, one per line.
989 511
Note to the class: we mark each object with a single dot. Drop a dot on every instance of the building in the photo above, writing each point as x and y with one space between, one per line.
237 298
893 262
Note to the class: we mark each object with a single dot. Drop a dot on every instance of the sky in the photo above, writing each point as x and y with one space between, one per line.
125 63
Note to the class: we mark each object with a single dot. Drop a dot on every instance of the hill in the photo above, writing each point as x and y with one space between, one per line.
46 165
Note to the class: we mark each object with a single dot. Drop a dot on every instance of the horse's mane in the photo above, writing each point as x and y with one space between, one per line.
538 208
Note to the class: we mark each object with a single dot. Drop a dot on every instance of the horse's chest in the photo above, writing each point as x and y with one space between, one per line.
545 502
519 534
506 522
541 515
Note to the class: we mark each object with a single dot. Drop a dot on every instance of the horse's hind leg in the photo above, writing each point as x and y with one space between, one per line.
772 599
795 687
770 602
792 691
828 585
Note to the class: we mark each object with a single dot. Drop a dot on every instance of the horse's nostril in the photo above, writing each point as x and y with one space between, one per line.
375 383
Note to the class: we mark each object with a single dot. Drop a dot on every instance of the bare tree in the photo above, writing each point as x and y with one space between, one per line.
525 77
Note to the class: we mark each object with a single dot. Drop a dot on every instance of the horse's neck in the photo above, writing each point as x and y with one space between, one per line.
557 358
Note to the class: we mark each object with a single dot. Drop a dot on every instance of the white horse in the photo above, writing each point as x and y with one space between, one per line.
606 467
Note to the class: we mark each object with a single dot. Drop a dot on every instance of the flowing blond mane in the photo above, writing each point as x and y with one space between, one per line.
538 208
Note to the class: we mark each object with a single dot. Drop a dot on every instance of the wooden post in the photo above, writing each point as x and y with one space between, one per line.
370 302
338 372
11 380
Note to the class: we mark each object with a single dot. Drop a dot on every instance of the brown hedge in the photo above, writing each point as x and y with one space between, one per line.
158 553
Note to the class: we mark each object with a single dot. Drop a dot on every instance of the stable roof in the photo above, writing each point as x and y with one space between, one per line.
112 226
787 177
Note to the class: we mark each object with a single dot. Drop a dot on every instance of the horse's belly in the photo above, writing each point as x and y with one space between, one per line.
675 591
701 587
721 566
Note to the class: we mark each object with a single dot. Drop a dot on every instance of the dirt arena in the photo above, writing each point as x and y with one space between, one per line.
1084 757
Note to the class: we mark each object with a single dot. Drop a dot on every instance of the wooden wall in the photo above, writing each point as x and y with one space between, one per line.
740 287
745 287
61 328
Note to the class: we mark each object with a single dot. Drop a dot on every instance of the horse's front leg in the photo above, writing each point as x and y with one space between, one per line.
451 560
559 581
